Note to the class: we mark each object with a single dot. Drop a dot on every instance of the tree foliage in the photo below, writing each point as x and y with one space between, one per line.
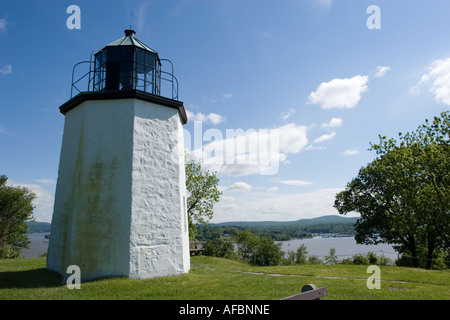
403 196
278 231
259 251
332 257
203 193
297 257
15 209
219 248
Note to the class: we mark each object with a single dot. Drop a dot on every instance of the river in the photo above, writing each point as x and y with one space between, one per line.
317 246
37 247
345 247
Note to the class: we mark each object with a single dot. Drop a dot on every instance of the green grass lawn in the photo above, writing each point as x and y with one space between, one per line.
221 279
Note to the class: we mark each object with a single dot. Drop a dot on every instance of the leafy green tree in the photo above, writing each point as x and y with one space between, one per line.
15 209
260 251
314 260
300 255
219 248
403 196
332 257
268 252
203 193
247 246
296 257
290 260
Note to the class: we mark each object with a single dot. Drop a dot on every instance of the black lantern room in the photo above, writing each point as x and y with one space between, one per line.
127 64
124 69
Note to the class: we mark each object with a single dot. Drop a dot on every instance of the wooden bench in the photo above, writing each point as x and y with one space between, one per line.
195 247
309 292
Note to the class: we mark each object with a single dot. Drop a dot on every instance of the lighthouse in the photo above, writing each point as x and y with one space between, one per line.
120 200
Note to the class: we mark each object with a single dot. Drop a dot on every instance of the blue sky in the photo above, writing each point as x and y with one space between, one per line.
310 70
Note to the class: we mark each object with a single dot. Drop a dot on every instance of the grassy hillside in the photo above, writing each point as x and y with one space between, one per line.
221 279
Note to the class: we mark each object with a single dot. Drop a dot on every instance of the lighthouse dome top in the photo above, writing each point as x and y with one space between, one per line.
127 64
130 40
125 68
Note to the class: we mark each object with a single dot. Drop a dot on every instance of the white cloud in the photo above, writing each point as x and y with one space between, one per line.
334 123
43 203
6 69
286 114
266 206
438 76
214 98
46 181
272 189
251 152
239 187
226 199
381 71
213 118
325 137
3 25
312 147
293 138
295 182
350 152
340 93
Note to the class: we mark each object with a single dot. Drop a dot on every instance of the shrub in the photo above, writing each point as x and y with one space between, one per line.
219 248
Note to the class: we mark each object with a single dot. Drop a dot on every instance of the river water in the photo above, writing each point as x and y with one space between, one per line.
317 246
37 247
345 247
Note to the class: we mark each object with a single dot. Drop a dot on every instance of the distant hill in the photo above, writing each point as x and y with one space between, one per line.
281 230
327 220
44 227
38 227
331 219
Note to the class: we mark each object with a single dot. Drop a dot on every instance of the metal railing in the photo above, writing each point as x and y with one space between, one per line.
165 84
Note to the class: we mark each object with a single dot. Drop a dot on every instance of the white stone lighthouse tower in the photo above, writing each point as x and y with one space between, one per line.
120 202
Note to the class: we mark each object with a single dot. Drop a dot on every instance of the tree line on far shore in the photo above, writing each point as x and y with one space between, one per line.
277 231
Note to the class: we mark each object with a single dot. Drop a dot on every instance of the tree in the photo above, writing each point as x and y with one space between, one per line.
297 257
219 248
403 196
300 255
268 253
15 208
332 257
247 246
314 260
260 251
202 194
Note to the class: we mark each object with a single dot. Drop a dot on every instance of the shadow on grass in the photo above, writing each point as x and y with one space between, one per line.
37 278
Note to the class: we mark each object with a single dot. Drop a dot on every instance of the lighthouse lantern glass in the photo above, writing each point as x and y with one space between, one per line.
127 68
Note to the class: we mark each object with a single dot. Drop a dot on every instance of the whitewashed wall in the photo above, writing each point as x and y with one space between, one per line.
120 196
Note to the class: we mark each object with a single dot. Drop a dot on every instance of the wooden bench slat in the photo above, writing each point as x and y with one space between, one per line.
194 247
309 292
309 295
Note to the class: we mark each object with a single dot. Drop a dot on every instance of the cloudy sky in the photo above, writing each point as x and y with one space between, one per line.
283 97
